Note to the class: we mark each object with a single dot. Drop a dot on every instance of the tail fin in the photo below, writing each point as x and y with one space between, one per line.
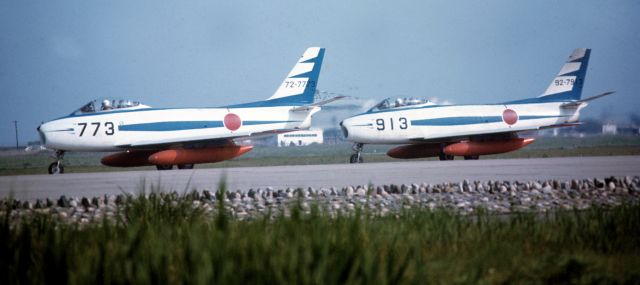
299 87
567 85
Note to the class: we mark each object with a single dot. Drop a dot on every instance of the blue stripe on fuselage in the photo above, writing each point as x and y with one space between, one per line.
171 126
250 123
518 102
452 121
187 125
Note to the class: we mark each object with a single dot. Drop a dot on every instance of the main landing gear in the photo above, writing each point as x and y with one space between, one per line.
444 156
56 167
356 157
169 166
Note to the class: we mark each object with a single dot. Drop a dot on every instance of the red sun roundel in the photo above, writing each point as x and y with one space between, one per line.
510 116
232 121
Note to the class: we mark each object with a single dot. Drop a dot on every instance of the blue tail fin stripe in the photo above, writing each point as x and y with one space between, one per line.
575 93
305 98
308 94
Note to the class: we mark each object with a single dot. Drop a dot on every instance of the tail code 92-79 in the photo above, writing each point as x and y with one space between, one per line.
425 129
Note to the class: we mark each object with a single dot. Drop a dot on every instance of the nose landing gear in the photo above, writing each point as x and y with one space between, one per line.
56 167
357 156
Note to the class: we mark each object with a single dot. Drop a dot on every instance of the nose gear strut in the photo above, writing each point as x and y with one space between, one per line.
57 167
356 157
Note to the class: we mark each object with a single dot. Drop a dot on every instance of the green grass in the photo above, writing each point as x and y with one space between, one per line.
163 239
17 164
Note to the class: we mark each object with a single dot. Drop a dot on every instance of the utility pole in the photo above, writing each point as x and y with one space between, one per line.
15 124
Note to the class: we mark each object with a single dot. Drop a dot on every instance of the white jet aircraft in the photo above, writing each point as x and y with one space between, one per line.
164 137
429 130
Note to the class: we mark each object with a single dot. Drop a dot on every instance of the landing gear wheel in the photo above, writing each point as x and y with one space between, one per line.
357 156
444 156
185 166
56 168
164 167
471 157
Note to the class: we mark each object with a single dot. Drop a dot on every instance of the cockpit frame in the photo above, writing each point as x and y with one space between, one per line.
396 103
108 105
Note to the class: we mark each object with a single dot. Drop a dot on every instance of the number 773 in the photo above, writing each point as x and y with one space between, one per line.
109 128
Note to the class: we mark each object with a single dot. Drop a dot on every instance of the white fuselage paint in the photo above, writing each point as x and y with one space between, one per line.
137 128
433 122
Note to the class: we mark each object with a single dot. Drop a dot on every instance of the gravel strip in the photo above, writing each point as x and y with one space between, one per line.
465 197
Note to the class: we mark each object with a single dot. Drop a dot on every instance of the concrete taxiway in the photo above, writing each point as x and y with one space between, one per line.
339 175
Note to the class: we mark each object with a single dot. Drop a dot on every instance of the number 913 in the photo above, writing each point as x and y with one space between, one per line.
402 124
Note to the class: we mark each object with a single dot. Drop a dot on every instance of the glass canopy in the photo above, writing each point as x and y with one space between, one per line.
392 103
107 105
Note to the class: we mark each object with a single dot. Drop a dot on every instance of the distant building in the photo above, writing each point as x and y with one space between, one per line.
299 138
609 129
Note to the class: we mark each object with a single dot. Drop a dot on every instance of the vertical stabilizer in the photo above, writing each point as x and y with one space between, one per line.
300 85
567 85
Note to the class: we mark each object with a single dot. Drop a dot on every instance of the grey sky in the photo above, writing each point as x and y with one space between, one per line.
57 55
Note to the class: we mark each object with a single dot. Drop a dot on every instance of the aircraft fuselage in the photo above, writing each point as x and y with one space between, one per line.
432 122
118 130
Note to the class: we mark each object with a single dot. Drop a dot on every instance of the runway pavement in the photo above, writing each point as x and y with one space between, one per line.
339 175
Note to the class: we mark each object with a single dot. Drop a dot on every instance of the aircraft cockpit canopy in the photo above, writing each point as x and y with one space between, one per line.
393 103
107 105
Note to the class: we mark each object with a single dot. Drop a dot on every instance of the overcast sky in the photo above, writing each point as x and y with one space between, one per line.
57 55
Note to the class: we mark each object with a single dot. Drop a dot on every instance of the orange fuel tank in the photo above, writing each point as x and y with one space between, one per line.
486 147
415 151
192 156
127 159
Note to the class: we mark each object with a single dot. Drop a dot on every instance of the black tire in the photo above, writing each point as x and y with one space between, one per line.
54 168
471 157
164 167
355 159
185 166
444 156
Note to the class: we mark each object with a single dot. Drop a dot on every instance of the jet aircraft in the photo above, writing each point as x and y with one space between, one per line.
164 137
426 129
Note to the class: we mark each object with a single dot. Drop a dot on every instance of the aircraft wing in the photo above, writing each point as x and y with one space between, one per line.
479 137
490 136
580 102
561 125
193 142
316 104
207 141
197 142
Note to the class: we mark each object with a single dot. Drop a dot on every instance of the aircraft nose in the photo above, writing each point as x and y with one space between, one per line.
345 131
42 132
